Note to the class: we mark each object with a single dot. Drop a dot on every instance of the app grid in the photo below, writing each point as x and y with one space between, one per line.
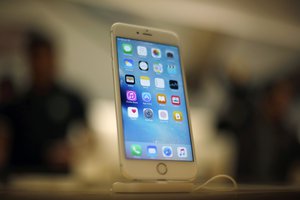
155 122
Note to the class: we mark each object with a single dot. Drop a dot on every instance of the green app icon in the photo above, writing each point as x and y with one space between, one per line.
136 150
127 48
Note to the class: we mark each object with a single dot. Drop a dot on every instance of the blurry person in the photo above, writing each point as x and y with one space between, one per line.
41 117
267 145
277 139
238 119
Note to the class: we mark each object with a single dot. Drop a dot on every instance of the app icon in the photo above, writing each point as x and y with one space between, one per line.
143 65
133 112
175 100
158 68
142 51
181 152
136 150
177 116
159 82
173 84
128 62
171 69
167 151
170 54
129 79
161 98
156 53
127 48
163 115
152 151
146 96
148 113
145 81
131 95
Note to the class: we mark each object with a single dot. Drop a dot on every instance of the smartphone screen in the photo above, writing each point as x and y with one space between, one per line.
154 111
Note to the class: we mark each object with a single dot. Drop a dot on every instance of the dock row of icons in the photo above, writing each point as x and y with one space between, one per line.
133 112
167 151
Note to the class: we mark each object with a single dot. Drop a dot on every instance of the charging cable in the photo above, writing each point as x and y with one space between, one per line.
220 176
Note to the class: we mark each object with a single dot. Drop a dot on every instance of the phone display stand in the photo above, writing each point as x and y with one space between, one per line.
173 186
153 187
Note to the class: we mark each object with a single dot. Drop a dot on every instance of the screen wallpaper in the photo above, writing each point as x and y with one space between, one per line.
155 123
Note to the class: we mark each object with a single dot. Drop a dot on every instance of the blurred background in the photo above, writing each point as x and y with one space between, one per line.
57 115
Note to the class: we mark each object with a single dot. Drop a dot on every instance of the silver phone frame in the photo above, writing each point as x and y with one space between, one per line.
146 169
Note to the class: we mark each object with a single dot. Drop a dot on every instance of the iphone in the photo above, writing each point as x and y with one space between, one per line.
154 128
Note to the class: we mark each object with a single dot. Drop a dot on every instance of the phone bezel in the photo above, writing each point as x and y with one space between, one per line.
146 169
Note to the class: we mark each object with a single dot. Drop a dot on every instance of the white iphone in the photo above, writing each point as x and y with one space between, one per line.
154 130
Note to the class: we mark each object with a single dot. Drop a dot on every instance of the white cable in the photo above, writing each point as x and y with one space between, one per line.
224 176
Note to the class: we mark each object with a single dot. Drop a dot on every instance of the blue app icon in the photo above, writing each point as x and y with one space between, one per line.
146 96
171 68
128 63
151 151
167 151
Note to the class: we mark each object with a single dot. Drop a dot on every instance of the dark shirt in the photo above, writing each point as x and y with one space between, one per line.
38 120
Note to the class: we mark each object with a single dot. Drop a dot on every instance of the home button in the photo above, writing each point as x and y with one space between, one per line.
162 168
